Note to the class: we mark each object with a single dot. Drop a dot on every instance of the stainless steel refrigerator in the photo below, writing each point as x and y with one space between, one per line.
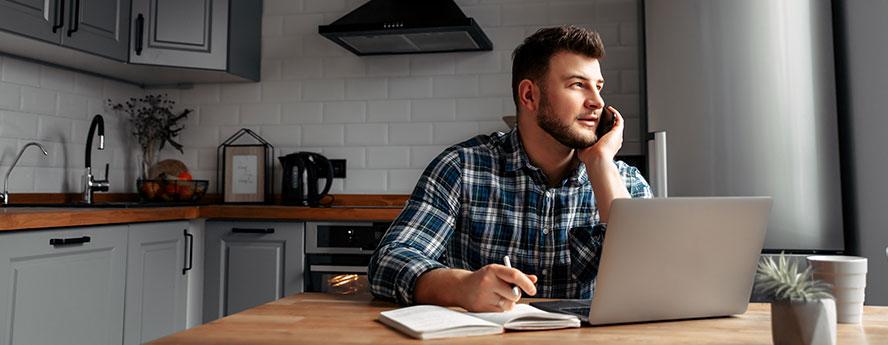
744 91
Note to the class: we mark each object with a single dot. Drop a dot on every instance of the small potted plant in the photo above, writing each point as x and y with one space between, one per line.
802 309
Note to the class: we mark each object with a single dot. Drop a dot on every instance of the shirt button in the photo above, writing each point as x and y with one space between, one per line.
545 231
545 271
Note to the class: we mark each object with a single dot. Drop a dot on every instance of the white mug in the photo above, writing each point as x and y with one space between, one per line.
847 278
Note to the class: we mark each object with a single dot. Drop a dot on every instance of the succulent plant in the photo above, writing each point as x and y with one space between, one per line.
782 281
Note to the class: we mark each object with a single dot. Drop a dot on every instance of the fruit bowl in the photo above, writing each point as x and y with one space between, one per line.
172 190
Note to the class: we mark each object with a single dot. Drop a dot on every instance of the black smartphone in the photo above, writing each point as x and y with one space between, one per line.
605 122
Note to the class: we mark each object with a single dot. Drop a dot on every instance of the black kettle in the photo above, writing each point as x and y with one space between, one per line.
300 181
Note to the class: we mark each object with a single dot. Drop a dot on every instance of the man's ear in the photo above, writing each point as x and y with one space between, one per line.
528 95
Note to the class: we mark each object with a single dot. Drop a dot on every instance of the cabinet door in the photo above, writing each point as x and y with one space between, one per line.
183 33
33 18
100 27
62 294
250 264
156 283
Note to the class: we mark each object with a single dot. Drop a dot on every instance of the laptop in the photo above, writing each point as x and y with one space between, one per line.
674 258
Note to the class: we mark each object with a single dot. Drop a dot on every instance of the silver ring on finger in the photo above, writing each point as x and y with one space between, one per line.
501 302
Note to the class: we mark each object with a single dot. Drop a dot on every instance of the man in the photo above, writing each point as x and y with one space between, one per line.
540 194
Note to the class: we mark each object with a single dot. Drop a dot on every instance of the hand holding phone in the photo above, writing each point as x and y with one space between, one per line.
605 122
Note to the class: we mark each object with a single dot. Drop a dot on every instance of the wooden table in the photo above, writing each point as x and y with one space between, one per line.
313 318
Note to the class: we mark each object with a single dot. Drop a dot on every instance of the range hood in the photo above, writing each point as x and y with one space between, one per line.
406 27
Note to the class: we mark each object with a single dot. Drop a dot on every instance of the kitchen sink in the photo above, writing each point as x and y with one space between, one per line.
134 204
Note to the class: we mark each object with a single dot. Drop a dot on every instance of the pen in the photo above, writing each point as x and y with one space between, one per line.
509 265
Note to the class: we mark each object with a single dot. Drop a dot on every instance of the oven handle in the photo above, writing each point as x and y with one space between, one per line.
338 269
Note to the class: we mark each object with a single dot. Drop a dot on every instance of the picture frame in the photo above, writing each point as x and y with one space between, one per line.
244 174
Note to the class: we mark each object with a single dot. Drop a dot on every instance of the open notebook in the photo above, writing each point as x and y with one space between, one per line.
430 321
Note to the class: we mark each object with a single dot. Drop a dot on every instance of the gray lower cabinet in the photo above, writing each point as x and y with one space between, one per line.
70 292
156 282
99 27
249 263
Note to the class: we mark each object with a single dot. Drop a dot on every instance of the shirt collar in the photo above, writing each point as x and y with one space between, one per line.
517 159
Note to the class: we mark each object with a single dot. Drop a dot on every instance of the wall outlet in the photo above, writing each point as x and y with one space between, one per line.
338 168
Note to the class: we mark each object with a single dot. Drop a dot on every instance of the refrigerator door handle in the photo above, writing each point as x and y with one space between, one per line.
657 163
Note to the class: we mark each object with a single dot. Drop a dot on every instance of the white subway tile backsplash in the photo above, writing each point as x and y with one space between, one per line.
402 181
524 14
354 156
296 24
271 69
367 88
417 133
240 93
366 134
432 64
323 90
260 114
505 38
302 68
38 101
388 111
629 34
367 181
282 136
21 179
616 11
571 12
10 96
193 137
206 158
49 180
410 88
281 47
433 110
56 79
54 128
345 112
629 81
18 125
278 7
303 112
421 156
20 72
272 26
317 45
312 6
620 58
487 127
486 16
626 104
479 62
344 66
323 135
281 91
202 93
388 157
478 109
87 85
387 65
449 133
219 114
496 84
72 106
455 86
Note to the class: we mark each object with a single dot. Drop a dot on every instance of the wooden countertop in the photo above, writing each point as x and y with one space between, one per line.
364 207
313 318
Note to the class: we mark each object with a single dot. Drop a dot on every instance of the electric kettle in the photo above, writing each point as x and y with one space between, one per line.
302 170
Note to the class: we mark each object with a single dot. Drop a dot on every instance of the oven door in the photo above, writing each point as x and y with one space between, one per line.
344 280
337 255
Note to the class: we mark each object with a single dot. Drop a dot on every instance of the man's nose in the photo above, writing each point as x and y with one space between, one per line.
594 100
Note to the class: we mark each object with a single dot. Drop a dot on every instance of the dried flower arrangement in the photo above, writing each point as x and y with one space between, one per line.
154 125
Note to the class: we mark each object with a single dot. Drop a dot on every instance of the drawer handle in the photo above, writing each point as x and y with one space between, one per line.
140 28
60 16
75 19
253 231
73 240
189 263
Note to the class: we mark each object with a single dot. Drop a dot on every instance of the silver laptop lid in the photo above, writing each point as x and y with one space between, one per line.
678 258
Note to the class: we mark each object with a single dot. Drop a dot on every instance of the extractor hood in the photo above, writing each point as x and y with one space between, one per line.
406 27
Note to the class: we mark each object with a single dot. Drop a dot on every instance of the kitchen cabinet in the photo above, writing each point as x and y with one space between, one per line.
98 27
207 34
249 263
63 286
156 285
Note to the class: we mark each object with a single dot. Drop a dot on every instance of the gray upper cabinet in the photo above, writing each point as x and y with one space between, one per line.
204 34
33 18
99 27
70 292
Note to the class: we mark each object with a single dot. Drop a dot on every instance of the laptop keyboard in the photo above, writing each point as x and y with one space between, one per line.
577 310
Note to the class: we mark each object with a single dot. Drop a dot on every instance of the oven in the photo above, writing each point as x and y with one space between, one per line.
337 255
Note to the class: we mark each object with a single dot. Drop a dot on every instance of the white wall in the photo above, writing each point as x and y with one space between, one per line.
868 84
387 115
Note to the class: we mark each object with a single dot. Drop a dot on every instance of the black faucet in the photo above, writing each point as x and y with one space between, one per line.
89 184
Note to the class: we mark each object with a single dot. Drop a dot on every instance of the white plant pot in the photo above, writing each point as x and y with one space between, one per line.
803 323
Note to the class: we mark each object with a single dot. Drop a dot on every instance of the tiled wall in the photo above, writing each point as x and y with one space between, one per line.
388 116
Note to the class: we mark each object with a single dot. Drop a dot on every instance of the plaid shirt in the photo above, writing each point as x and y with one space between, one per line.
481 200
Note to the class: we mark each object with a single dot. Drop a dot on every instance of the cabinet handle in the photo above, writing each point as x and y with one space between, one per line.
253 231
75 19
73 240
140 28
189 263
60 16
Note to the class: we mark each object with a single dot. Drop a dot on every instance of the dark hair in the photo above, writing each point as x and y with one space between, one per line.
530 60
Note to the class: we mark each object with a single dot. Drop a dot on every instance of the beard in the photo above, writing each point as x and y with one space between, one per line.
561 131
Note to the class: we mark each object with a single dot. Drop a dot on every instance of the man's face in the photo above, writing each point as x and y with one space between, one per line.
570 100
